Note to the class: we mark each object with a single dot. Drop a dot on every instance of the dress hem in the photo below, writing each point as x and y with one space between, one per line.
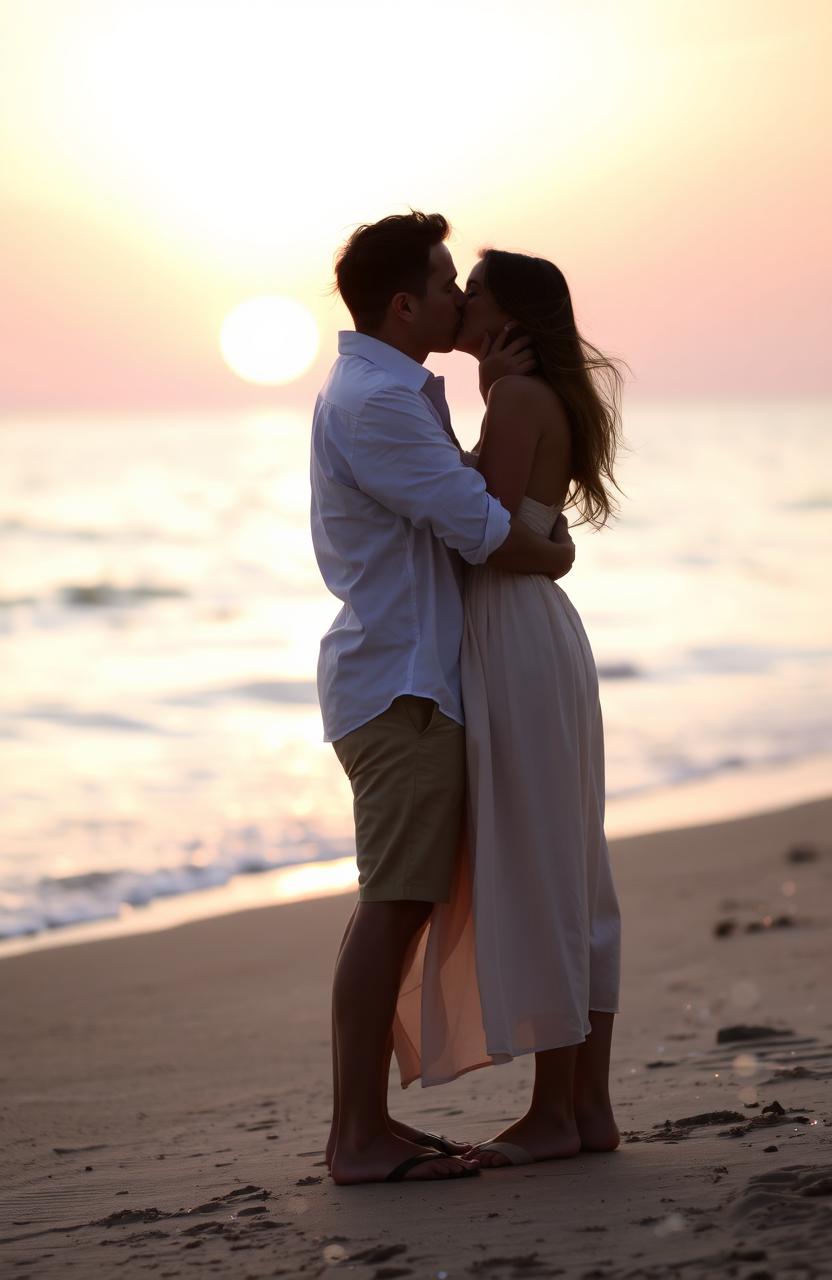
497 1059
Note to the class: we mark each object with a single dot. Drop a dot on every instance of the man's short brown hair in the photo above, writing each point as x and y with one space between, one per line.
384 258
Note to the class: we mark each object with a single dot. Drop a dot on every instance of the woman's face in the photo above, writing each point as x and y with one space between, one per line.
481 314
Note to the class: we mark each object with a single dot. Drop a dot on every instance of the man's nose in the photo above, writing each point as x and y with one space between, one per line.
459 297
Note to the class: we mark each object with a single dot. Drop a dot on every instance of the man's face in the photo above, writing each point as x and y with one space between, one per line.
438 316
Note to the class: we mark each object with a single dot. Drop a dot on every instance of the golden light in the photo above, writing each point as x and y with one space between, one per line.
188 160
269 340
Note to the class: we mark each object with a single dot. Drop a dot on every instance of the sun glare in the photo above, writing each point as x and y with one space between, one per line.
203 165
269 340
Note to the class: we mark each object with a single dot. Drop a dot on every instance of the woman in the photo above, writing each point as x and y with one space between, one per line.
525 958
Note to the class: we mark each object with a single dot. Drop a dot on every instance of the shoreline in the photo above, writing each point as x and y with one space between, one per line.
724 798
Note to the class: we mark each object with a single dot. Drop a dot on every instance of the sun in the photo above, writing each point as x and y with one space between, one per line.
269 340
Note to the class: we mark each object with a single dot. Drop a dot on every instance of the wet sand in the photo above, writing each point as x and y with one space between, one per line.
165 1096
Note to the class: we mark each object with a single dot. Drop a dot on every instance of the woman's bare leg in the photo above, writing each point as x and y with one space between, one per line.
548 1130
593 1109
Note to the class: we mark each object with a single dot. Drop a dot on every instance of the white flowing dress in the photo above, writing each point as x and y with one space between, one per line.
530 940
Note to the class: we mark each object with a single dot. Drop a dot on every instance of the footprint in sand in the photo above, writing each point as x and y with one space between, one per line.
782 1050
796 1195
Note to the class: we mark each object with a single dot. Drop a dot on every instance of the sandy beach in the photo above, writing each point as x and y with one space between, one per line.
165 1096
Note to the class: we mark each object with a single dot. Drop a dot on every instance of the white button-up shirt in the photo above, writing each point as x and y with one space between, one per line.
392 505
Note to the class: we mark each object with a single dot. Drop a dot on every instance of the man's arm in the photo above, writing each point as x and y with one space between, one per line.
400 456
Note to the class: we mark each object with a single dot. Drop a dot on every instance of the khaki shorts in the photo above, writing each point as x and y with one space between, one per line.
407 772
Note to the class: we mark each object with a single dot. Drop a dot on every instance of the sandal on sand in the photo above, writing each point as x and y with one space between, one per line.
444 1145
515 1154
401 1170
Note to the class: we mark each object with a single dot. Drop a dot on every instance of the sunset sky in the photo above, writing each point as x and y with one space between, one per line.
162 161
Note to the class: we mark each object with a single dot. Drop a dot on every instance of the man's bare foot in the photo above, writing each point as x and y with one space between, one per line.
373 1162
545 1137
402 1130
596 1125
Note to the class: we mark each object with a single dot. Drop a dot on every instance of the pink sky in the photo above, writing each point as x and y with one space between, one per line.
679 174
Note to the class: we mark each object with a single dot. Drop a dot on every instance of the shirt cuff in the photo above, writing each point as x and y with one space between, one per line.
497 528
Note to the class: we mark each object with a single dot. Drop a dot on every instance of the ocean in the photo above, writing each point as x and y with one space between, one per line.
160 612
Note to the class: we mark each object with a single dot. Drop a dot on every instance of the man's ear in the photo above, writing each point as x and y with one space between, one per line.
402 307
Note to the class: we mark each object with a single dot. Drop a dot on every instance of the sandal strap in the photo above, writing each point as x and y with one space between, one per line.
401 1170
435 1140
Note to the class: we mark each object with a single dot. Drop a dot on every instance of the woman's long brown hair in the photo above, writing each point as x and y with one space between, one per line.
535 294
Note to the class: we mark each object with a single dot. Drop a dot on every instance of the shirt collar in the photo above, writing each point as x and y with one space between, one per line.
408 371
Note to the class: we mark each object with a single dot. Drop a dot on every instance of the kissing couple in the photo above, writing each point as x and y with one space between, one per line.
459 692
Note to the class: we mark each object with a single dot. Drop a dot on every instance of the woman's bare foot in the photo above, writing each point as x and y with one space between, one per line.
550 1136
375 1160
412 1134
596 1124
402 1130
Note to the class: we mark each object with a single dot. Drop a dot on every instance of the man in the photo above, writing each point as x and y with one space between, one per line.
394 506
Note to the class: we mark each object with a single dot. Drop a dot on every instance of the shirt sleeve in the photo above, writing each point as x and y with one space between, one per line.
403 459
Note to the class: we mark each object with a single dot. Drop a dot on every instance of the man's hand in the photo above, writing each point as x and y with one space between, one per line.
499 357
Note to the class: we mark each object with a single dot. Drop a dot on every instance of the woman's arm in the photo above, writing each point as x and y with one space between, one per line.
505 354
511 432
514 423
501 357
525 551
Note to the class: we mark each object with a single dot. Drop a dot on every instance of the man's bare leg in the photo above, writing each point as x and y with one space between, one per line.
333 1128
548 1130
367 978
396 1126
593 1109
